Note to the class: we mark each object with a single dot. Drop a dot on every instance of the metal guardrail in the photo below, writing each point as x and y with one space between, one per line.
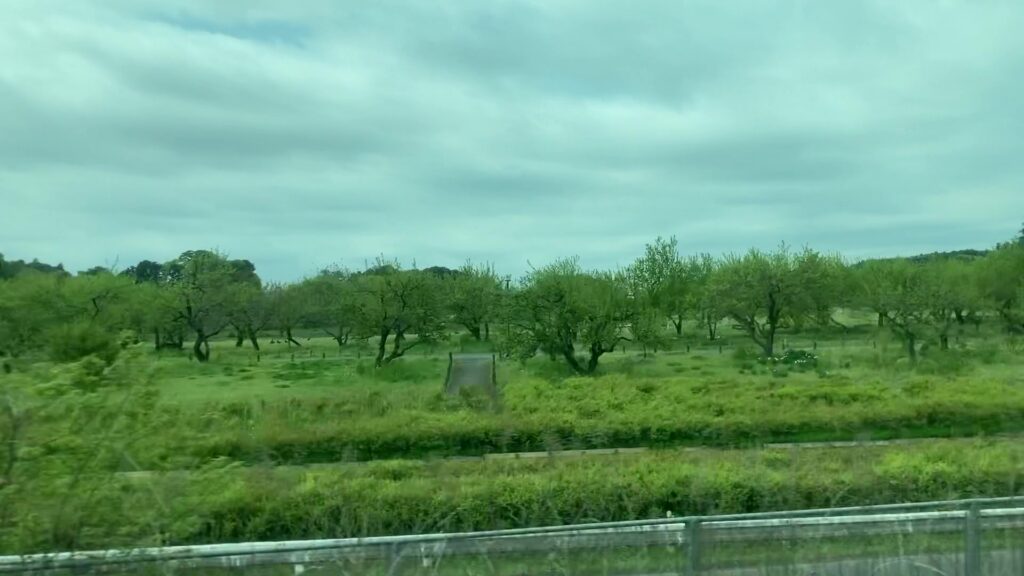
690 534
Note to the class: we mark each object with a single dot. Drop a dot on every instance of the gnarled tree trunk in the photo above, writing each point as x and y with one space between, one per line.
254 340
201 347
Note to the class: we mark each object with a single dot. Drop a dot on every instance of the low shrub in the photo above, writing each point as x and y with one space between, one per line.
74 341
383 498
799 360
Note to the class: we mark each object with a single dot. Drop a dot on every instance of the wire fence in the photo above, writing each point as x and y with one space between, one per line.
980 537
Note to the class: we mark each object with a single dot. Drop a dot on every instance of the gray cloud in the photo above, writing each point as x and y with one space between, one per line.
308 133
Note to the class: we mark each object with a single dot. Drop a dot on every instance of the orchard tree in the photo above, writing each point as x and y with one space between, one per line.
1002 279
473 294
31 304
872 286
70 316
663 281
394 304
201 286
333 304
94 314
706 309
647 329
916 300
154 304
151 309
560 306
97 297
251 314
953 294
764 291
905 291
289 307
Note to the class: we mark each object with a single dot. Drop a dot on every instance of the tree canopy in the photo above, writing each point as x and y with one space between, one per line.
560 309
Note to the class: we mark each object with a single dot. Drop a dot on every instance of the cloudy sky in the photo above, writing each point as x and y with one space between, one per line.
306 133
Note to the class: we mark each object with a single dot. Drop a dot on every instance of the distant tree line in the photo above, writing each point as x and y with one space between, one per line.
12 268
560 310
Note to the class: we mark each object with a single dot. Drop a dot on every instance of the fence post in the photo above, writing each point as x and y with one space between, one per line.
692 547
448 376
972 546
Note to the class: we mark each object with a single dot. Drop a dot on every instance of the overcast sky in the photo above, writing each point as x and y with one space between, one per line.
306 133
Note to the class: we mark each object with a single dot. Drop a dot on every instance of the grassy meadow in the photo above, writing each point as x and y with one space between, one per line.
313 441
329 406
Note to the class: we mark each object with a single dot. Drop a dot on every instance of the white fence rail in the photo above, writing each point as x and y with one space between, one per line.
692 537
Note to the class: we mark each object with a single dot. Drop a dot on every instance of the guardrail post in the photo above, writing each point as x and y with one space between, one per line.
692 546
972 545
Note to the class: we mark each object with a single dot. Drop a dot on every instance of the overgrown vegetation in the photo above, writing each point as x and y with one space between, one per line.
190 401
221 502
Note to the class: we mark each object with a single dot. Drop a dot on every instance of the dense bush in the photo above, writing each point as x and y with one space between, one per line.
77 340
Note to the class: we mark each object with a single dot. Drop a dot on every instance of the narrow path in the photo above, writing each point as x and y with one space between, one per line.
611 452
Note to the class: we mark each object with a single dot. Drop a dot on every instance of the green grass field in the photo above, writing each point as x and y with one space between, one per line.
325 407
310 441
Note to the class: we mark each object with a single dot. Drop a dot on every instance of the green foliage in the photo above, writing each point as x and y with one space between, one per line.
393 414
1002 284
77 425
705 307
561 306
225 503
474 295
77 340
13 268
647 329
901 293
762 291
392 304
61 314
662 282
332 305
201 289
71 432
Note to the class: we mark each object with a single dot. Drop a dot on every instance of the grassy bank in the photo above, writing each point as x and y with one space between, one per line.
223 502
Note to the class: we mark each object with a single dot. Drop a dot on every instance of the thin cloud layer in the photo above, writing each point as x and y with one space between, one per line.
309 133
